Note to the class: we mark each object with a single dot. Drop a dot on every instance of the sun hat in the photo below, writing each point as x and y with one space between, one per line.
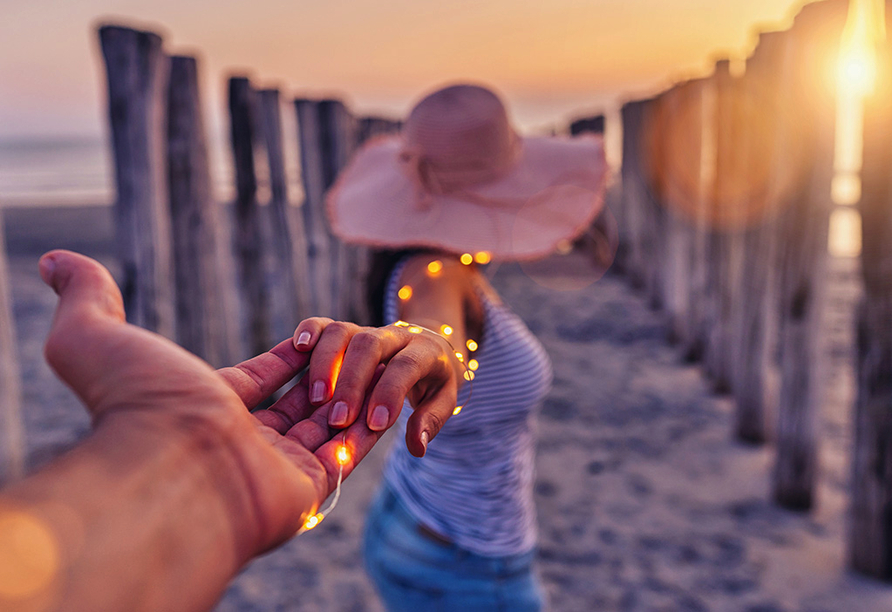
458 178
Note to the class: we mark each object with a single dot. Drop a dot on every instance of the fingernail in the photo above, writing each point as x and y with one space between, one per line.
380 416
424 439
318 392
338 414
47 266
303 339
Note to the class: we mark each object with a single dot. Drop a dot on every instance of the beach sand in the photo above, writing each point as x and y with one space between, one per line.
645 502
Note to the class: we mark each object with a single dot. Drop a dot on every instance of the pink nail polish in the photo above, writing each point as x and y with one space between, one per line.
425 437
318 392
380 417
338 414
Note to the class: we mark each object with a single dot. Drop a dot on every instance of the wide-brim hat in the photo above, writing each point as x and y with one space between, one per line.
458 178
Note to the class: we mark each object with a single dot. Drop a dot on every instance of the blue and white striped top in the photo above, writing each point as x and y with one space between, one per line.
474 485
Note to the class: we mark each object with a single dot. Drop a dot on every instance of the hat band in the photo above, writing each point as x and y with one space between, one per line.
433 180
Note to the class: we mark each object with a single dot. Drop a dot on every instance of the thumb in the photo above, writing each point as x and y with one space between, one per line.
90 305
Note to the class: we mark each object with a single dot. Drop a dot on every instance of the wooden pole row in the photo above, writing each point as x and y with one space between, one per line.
726 204
182 255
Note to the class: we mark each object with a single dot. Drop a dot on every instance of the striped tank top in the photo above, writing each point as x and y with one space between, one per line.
474 484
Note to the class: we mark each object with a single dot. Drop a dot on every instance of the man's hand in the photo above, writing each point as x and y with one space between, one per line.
278 465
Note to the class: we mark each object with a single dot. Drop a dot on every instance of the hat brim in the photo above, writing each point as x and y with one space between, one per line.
551 195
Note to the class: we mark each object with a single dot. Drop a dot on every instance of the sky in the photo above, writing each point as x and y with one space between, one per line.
551 59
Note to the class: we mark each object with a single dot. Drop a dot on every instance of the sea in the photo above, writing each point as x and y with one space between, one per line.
80 171
55 172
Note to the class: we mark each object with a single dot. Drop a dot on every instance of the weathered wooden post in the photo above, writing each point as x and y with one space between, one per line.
721 240
338 141
674 193
633 193
248 232
312 174
654 213
809 133
202 325
870 544
290 287
756 304
137 71
690 197
12 456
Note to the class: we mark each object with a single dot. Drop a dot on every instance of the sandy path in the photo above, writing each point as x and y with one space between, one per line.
645 503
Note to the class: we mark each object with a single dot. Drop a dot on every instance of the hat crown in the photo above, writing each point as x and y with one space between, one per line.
462 128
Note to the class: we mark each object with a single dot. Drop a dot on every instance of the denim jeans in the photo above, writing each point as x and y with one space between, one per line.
416 573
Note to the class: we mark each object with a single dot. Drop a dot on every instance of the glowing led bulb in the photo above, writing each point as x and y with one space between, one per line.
482 257
414 329
469 376
401 324
405 292
435 267
314 520
467 259
445 330
473 364
457 410
343 455
472 346
459 356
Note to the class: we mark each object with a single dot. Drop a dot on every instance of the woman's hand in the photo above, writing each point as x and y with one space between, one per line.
343 365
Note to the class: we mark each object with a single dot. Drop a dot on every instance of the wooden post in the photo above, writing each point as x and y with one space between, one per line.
722 252
809 133
137 70
313 209
290 287
870 544
248 233
756 306
202 325
653 239
633 193
349 262
12 456
688 195
671 189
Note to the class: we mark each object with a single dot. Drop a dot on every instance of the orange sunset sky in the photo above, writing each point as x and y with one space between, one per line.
551 58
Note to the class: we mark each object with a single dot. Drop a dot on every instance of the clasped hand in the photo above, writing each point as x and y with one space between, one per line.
273 467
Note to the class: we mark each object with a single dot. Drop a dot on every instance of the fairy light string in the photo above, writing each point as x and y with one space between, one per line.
342 454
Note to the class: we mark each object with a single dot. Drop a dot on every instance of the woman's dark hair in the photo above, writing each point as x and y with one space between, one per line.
380 267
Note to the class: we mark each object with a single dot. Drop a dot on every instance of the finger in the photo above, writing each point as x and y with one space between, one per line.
428 419
358 441
257 378
325 362
90 306
291 408
420 360
366 351
313 431
308 332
